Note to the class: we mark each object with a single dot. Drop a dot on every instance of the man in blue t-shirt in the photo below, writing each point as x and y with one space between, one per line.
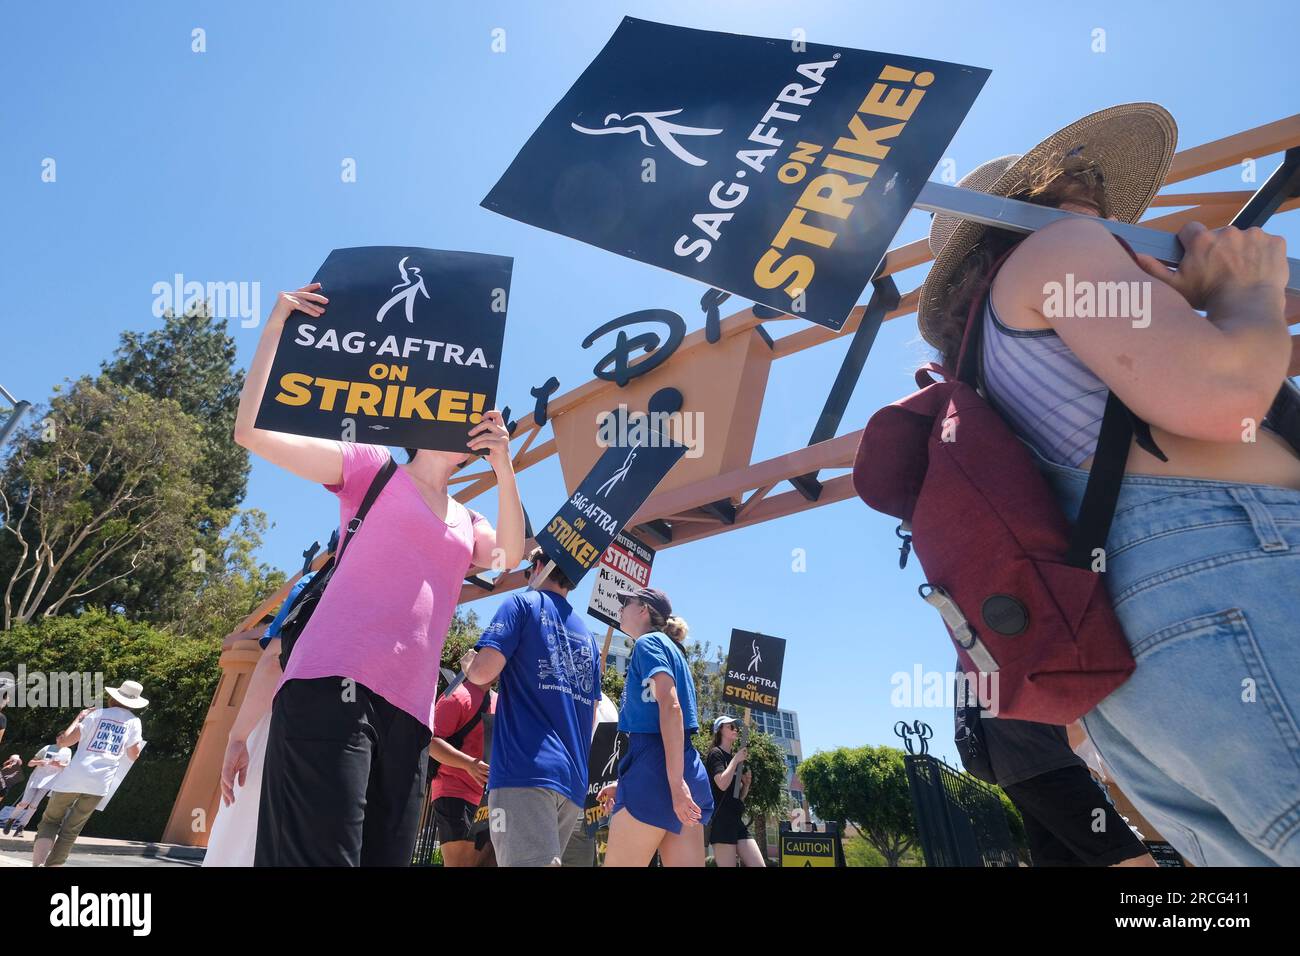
549 668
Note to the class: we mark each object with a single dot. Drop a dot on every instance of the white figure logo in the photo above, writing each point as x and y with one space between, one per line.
410 285
613 758
656 123
619 475
756 659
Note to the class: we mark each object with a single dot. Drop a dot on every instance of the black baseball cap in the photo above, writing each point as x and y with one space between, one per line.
650 597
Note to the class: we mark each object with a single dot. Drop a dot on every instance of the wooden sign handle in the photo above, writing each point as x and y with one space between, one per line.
604 651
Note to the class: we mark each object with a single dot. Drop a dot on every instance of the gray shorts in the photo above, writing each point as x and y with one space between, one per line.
530 826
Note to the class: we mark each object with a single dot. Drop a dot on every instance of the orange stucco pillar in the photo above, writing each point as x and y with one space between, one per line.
196 803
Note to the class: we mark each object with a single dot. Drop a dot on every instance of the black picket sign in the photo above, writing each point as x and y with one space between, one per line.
407 354
617 485
753 676
776 170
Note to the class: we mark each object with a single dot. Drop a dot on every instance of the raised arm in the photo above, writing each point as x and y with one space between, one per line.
316 459
1192 375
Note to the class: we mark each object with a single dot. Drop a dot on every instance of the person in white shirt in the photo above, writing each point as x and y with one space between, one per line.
46 765
104 736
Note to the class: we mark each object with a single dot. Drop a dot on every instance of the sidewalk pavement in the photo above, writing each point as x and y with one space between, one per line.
102 846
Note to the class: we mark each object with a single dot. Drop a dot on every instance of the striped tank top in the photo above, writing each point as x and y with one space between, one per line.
1048 396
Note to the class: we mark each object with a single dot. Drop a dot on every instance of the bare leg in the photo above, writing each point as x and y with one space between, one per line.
724 854
750 854
683 849
1146 859
631 842
456 853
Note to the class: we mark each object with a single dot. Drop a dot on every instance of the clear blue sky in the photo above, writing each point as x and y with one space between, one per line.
224 166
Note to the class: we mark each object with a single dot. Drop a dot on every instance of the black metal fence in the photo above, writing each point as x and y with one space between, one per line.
960 820
425 842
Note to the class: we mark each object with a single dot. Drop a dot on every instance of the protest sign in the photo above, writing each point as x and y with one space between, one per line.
607 748
407 354
776 170
625 566
617 485
119 774
753 676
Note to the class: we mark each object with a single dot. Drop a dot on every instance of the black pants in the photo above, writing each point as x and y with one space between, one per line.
343 780
1069 822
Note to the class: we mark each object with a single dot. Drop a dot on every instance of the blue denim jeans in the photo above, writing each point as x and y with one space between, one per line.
1205 736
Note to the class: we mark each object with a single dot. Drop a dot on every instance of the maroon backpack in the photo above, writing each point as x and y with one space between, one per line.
1013 582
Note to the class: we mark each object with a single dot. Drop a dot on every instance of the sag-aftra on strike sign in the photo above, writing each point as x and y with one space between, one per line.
776 170
407 354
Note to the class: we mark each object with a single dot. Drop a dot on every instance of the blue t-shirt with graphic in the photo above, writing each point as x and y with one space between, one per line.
656 654
546 700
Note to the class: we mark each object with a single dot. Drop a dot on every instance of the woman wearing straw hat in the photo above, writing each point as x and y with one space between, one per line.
1204 551
105 736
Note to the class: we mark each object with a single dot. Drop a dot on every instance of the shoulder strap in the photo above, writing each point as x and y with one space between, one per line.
458 738
376 486
1119 427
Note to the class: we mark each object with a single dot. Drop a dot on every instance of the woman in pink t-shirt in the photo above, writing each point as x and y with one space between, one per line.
352 716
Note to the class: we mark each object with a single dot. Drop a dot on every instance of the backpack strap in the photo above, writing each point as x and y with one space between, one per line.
376 486
1119 428
457 739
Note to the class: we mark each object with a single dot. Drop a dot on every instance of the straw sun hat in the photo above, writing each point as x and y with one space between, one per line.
128 695
1132 143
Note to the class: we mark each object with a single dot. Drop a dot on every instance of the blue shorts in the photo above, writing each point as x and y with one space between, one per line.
643 783
1205 736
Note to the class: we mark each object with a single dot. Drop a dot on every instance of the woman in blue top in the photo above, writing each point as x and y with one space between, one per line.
662 799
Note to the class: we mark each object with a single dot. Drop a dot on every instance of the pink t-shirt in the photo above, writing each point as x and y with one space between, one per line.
384 617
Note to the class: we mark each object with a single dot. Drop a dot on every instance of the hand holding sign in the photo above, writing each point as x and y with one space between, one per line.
491 438
308 299
409 355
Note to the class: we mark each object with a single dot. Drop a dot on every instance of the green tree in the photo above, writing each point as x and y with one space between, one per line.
707 670
611 685
867 787
90 494
227 587
462 635
179 678
189 361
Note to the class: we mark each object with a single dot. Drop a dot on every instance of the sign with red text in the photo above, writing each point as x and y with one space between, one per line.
778 170
625 566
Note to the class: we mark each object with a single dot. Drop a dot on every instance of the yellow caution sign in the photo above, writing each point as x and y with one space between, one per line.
808 849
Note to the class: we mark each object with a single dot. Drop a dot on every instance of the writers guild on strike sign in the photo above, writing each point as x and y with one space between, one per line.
625 566
753 675
781 171
408 352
